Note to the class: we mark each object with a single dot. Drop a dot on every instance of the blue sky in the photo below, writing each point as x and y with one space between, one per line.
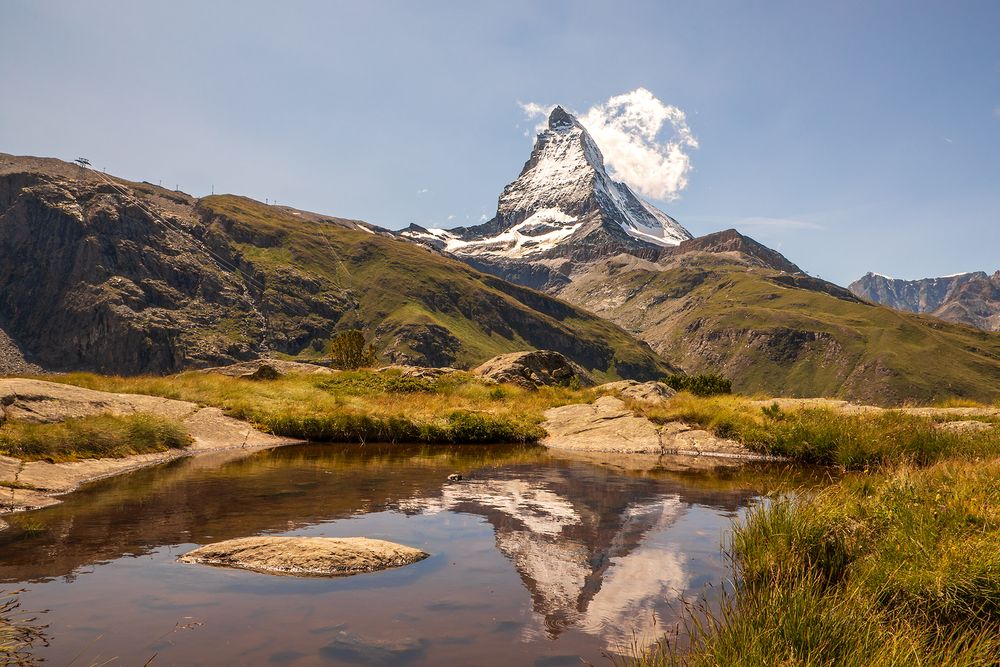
852 136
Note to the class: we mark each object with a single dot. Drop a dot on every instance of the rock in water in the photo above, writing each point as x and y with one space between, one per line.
536 368
306 556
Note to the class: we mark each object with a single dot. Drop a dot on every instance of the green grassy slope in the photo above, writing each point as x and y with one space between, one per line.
323 273
710 312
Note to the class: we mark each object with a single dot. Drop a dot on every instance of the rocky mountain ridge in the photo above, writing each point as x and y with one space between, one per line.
966 298
98 273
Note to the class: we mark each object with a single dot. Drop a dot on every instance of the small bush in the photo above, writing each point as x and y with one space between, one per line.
700 385
350 350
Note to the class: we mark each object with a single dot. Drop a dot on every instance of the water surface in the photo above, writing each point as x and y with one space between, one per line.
536 558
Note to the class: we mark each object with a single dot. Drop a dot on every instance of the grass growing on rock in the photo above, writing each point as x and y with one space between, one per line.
822 435
98 436
898 568
362 406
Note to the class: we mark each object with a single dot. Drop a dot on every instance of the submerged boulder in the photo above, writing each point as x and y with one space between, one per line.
306 556
535 368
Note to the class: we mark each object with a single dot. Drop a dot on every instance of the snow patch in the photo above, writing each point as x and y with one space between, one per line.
542 231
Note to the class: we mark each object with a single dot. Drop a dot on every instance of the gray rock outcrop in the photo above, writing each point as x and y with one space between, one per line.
607 425
535 368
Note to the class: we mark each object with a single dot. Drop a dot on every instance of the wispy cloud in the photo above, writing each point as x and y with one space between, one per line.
645 142
423 191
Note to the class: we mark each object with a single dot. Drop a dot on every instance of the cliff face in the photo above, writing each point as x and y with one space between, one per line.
102 274
88 280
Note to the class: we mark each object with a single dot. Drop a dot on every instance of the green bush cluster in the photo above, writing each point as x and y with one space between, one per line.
360 383
350 350
708 384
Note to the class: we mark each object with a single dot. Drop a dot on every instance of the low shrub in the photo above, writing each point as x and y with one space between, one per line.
700 385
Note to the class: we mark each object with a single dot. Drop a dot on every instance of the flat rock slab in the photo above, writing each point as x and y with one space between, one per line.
607 425
212 429
306 556
67 476
43 402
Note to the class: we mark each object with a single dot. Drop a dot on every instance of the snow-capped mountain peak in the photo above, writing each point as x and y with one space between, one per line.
563 204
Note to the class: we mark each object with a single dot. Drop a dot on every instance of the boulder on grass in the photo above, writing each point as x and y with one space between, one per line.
536 368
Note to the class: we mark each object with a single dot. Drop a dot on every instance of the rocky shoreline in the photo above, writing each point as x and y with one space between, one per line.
34 484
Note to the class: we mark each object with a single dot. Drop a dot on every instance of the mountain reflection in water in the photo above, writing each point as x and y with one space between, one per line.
602 552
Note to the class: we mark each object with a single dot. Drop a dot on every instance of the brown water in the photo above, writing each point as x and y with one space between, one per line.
536 559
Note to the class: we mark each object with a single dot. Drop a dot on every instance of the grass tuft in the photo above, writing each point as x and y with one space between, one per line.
99 436
900 568
825 436
19 631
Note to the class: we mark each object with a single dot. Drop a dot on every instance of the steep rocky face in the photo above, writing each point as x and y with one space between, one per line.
102 274
89 280
968 298
561 210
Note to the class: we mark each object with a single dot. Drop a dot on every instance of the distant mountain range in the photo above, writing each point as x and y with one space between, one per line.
104 274
966 298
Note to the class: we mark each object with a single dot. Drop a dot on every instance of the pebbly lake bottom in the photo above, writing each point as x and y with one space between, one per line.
537 558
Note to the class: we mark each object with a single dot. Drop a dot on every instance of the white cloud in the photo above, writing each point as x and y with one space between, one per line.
644 141
422 191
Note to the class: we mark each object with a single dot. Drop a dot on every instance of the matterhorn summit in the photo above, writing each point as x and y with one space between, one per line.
563 209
